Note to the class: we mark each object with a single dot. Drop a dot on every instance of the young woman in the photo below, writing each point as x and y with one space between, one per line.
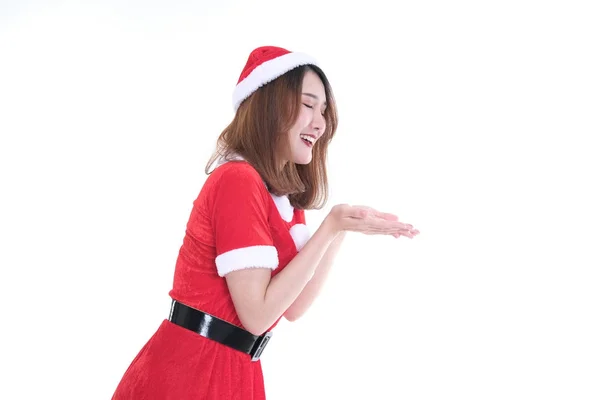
247 258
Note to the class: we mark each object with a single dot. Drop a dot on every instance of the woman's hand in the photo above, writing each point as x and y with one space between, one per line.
363 219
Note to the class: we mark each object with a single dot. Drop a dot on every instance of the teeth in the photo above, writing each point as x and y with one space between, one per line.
309 138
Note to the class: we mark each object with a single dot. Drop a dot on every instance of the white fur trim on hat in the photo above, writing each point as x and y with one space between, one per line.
268 71
247 257
300 233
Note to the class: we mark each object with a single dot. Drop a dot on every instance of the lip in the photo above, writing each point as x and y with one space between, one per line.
312 136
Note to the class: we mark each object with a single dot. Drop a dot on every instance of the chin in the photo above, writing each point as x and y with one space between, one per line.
302 155
303 160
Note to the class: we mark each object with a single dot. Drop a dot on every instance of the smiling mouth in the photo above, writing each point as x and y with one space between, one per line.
308 140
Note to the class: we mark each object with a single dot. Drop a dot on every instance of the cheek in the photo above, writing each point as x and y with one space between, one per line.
304 118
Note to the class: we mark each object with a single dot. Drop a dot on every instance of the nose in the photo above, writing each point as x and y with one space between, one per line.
318 123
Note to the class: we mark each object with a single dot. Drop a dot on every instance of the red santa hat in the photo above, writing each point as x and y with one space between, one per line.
264 65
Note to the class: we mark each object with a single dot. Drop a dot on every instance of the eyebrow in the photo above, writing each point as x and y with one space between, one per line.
314 97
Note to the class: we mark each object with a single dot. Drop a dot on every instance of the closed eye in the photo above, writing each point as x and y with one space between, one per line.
311 107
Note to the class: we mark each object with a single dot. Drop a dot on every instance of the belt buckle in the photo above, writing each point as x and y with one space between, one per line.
260 346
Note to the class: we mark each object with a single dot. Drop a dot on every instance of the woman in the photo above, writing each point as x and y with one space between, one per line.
247 258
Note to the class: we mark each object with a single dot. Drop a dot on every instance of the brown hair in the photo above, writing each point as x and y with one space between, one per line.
259 131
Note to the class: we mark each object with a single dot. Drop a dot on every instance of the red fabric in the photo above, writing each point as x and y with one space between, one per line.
233 210
259 56
239 209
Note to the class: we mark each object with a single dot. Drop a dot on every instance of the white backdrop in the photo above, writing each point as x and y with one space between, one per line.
476 122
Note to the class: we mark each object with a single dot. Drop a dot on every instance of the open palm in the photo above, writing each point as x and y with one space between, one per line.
370 221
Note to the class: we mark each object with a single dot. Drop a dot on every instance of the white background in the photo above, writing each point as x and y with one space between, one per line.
477 122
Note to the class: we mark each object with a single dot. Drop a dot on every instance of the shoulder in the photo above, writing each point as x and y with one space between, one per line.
235 181
237 176
235 171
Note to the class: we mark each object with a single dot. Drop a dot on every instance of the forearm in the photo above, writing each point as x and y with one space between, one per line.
286 286
314 286
260 300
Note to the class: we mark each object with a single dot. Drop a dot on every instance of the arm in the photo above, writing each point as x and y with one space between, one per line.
313 288
260 300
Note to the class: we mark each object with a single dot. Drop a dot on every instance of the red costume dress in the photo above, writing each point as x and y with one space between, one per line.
235 223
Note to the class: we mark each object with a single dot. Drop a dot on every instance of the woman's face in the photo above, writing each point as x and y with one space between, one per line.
310 125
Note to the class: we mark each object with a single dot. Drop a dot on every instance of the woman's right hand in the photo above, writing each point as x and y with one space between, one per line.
363 219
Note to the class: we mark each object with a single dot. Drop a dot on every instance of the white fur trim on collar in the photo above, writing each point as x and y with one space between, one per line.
284 207
268 71
300 233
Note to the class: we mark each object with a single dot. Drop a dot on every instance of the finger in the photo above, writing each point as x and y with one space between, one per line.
414 232
372 225
407 233
378 229
383 226
379 214
393 234
411 228
386 216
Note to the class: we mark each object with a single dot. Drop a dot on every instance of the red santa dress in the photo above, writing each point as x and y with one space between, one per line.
235 223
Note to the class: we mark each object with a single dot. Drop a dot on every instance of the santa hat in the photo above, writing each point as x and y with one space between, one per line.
264 65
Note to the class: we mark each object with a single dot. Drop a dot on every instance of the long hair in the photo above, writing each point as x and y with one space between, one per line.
259 132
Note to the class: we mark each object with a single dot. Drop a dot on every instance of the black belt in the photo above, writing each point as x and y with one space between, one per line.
218 330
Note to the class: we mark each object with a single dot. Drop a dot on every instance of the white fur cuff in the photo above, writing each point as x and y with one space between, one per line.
247 257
